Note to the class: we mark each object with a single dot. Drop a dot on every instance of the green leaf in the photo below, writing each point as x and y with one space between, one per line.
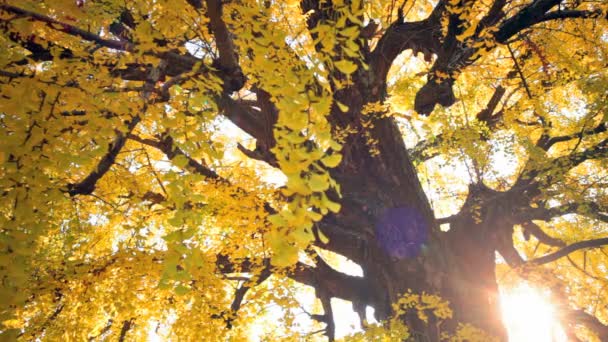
180 161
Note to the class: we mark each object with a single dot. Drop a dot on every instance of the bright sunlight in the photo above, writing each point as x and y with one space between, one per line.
529 316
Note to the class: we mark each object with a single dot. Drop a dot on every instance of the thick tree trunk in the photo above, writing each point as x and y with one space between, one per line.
457 265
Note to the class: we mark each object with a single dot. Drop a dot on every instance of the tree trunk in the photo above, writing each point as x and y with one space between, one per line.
457 265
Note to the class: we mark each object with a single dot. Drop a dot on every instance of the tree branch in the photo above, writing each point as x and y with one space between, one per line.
589 321
244 117
70 29
328 315
419 152
239 294
232 77
565 14
126 326
532 228
197 4
335 284
485 115
228 58
87 185
421 36
565 163
549 142
528 16
595 243
589 209
167 146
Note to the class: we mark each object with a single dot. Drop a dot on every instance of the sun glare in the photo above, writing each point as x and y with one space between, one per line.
529 316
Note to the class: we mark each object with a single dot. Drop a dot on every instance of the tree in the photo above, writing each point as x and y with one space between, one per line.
130 203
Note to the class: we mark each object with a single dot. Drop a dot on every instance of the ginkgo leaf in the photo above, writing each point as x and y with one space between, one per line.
345 66
332 160
318 182
343 107
180 161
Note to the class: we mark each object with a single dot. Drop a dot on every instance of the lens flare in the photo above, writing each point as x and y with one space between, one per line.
529 316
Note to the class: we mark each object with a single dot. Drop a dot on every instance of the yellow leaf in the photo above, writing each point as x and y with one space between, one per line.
323 237
332 160
345 66
318 182
343 107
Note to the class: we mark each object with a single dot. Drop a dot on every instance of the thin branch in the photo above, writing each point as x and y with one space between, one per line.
601 128
87 185
239 294
520 72
532 228
566 14
420 151
595 243
126 326
588 209
582 269
103 331
167 146
177 63
70 29
563 164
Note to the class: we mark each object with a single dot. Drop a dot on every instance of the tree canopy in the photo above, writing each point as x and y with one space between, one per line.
194 169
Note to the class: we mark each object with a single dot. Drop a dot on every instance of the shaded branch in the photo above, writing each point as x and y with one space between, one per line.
335 284
328 315
126 326
526 17
589 209
510 253
244 117
453 56
548 142
228 58
590 321
531 228
419 152
87 185
197 4
421 36
239 294
167 146
566 14
486 115
69 29
562 164
595 243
